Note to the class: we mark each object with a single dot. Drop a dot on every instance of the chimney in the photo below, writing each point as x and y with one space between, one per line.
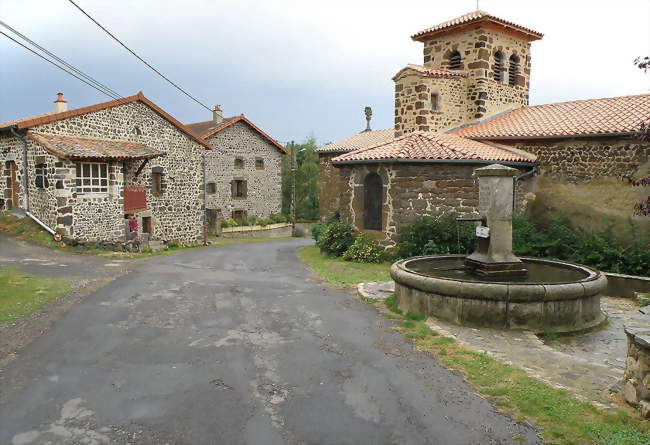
217 116
60 105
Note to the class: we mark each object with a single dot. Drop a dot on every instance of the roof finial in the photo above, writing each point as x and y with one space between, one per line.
368 112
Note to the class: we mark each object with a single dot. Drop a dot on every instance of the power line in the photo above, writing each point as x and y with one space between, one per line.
60 67
58 59
139 58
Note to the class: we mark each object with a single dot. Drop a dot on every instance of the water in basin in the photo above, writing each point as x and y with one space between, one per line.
537 272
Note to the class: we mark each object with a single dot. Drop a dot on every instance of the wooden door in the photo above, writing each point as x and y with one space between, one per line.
12 185
372 202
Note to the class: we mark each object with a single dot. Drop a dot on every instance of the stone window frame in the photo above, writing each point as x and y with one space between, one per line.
259 164
211 188
498 72
244 214
40 177
239 191
239 163
156 181
514 62
458 64
86 178
436 106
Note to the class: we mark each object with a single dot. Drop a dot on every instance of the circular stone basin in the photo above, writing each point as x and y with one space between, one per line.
554 296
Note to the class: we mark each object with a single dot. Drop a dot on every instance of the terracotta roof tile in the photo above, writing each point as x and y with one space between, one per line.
75 148
581 117
358 141
435 146
430 72
46 118
474 17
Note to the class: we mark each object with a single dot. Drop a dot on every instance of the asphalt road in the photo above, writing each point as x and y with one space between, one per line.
235 345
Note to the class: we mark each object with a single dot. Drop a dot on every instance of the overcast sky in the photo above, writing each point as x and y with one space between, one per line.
300 67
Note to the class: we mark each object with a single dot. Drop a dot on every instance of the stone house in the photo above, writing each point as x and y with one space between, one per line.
81 172
474 84
243 169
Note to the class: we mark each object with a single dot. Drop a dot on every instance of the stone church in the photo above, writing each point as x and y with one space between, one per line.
465 106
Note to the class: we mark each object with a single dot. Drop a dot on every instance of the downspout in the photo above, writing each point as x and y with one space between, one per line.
514 188
56 236
205 202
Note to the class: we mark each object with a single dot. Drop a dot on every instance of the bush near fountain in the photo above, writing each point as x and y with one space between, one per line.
492 287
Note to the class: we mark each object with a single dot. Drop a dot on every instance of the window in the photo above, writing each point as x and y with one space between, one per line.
498 67
41 176
239 188
239 162
211 188
238 215
156 183
92 177
137 131
455 61
372 197
435 102
513 70
259 163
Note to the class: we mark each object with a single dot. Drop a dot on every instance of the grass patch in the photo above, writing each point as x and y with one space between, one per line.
340 273
560 418
22 294
391 304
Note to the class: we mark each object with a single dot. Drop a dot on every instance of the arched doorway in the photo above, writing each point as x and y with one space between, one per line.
372 201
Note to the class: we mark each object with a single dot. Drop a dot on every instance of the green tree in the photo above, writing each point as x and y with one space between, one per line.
307 187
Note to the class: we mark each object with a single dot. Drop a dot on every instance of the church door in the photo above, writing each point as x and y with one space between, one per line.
372 201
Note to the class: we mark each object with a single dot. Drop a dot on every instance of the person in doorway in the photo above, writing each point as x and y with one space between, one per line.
133 227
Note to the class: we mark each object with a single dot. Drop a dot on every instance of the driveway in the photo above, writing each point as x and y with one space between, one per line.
235 345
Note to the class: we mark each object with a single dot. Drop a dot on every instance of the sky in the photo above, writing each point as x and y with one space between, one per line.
299 68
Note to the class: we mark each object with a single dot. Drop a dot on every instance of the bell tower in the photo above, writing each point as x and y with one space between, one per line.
474 67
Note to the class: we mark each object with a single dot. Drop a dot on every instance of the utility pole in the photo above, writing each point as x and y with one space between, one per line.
293 188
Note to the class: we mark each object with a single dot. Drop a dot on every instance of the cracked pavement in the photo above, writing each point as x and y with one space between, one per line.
236 345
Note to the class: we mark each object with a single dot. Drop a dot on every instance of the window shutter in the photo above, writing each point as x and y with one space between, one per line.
245 188
232 188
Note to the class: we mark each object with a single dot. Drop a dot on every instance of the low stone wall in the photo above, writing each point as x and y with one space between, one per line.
626 286
271 231
636 389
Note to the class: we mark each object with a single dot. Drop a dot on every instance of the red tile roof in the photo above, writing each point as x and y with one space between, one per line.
46 118
581 117
430 72
364 139
474 18
74 148
435 146
208 130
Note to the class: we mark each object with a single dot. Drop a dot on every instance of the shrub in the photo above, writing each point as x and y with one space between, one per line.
437 235
263 222
276 218
336 238
229 223
364 250
317 229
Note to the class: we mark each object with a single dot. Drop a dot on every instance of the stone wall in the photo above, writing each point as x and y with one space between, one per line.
477 47
264 187
582 178
636 381
413 105
177 213
463 100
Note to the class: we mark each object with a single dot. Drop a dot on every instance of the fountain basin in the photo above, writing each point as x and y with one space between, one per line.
555 296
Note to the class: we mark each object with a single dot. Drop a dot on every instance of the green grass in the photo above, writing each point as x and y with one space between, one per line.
340 273
561 419
22 294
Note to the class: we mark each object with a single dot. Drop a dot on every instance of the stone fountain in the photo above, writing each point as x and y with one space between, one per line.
492 287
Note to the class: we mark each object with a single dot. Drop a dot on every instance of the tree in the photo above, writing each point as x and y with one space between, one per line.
307 186
643 63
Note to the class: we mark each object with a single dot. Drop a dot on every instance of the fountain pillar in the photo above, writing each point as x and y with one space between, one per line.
493 256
